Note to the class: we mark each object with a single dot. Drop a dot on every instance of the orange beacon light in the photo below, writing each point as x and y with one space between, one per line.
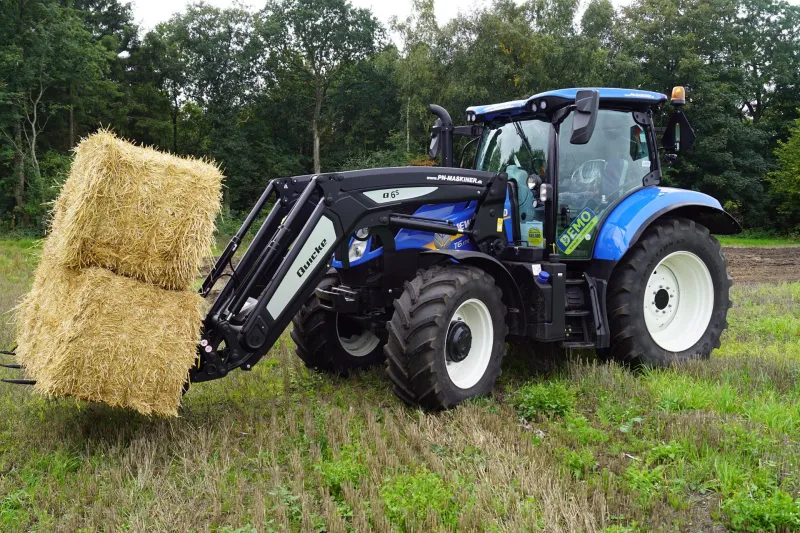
678 96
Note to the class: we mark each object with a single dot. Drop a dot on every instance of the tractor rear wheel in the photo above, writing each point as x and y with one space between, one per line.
668 297
330 341
446 337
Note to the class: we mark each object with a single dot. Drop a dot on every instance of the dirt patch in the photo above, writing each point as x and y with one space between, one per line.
763 264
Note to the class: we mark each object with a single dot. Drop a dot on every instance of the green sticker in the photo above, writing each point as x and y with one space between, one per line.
577 231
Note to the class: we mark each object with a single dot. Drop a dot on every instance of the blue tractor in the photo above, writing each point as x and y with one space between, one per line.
558 234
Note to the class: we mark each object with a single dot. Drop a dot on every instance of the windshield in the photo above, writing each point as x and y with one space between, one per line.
520 150
521 145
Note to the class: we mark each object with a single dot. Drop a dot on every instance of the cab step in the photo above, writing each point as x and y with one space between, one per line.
578 345
581 312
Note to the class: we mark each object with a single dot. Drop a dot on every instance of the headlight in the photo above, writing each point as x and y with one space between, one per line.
357 249
362 234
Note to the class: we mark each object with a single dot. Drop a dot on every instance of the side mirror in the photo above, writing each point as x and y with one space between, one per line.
678 135
435 147
638 141
587 102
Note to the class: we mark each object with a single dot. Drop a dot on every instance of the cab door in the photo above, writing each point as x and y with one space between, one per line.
595 176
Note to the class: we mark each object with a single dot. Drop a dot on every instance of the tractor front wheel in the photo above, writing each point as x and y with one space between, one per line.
668 297
330 341
446 337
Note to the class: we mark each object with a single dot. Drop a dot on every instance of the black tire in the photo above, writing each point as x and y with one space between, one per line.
317 340
631 341
415 352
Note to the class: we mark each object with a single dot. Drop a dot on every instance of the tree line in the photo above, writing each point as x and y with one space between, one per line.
303 86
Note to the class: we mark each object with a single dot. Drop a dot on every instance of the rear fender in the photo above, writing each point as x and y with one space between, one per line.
628 220
512 297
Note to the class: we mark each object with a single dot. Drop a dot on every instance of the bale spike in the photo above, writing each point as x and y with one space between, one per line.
9 352
15 367
19 381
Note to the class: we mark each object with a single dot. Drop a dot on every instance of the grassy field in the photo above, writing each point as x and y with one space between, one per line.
757 239
582 446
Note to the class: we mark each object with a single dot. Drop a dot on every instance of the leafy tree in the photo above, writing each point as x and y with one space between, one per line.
275 92
418 69
43 49
598 21
786 180
321 38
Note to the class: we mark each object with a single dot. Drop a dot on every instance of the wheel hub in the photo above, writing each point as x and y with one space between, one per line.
661 297
459 341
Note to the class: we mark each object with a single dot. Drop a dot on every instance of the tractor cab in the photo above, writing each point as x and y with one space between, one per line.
587 148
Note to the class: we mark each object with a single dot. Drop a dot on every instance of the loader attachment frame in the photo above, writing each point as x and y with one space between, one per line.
313 218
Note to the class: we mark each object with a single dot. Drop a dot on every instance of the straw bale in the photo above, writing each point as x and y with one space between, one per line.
98 336
136 211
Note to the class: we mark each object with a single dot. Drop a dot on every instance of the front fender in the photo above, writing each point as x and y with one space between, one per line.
626 222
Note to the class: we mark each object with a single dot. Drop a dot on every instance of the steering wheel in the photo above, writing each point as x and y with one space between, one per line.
590 171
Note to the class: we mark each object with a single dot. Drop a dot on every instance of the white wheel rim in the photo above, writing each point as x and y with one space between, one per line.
678 301
358 345
469 371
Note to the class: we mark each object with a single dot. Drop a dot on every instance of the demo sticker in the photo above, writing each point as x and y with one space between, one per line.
577 231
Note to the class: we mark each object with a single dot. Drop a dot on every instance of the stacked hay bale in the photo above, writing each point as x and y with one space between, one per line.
111 317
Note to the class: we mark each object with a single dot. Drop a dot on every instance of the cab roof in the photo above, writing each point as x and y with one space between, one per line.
553 100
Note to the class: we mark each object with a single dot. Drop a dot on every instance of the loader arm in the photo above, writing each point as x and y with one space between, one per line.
314 217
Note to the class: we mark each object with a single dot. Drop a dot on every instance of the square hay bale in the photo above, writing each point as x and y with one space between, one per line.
136 211
101 337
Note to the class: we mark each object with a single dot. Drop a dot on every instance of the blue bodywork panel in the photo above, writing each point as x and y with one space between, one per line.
616 235
624 223
459 214
561 97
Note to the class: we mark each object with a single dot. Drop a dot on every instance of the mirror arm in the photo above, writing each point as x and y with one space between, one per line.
463 151
561 114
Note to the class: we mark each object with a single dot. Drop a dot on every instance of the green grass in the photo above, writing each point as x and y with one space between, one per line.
758 238
582 446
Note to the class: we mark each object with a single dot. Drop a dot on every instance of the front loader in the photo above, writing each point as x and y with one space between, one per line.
559 233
